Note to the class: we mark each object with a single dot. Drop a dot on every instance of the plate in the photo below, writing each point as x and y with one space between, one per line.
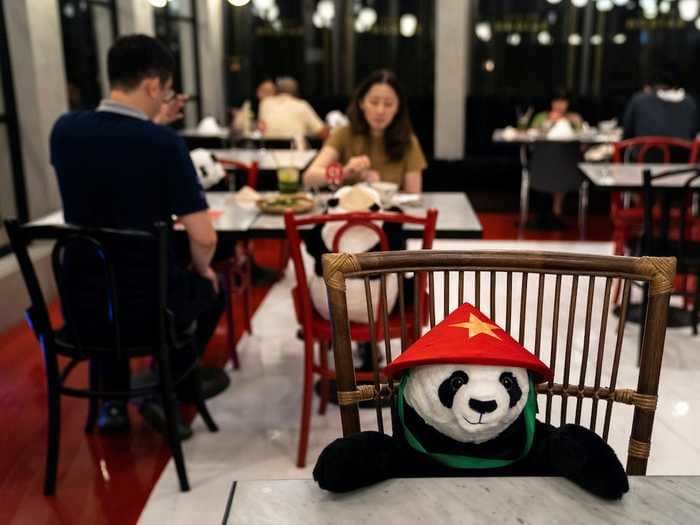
277 204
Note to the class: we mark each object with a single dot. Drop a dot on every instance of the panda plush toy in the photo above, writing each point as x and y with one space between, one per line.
357 198
466 406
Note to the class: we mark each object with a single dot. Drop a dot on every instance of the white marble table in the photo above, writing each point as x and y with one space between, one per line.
626 177
268 159
456 218
233 220
657 500
528 137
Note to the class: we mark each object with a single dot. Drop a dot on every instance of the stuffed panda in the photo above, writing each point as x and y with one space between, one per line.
320 240
466 406
209 171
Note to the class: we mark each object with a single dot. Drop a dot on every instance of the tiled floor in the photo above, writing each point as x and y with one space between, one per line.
259 414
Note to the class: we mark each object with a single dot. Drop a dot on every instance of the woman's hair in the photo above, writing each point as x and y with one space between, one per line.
397 135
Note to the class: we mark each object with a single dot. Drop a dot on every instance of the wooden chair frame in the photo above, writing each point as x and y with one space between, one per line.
658 273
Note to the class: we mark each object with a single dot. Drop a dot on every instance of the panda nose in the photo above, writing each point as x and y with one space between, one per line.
482 407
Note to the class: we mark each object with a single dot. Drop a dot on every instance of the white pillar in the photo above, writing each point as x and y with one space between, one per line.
452 22
135 16
36 55
211 58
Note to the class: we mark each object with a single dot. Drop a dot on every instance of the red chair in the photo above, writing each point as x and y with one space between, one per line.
317 329
627 220
236 270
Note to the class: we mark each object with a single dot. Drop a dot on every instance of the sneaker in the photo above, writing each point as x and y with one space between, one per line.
113 417
154 414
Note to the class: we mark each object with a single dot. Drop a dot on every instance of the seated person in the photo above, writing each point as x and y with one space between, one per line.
242 118
662 110
285 115
554 164
117 168
379 143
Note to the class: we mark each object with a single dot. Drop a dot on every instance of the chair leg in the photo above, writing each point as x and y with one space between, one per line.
54 430
167 392
200 403
93 402
696 305
230 319
248 297
306 404
325 383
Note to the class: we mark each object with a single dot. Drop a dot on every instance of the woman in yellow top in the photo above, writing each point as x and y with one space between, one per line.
378 144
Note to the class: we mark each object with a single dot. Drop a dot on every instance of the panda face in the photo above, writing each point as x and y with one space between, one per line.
469 403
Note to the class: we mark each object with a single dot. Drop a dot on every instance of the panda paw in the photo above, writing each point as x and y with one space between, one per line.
356 461
584 458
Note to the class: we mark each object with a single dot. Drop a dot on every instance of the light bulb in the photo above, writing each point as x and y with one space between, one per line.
574 39
688 9
408 24
483 31
544 38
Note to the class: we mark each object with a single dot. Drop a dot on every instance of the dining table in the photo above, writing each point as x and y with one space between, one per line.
658 500
529 137
237 219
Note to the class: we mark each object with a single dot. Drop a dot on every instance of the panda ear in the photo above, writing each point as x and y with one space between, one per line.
375 207
333 202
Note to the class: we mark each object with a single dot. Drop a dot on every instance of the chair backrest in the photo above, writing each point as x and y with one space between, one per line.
695 152
652 149
250 171
294 225
678 197
90 266
523 292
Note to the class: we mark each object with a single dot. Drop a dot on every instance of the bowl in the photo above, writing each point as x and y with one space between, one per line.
386 190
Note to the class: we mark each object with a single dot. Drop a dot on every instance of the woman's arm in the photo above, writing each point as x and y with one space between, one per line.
315 175
413 181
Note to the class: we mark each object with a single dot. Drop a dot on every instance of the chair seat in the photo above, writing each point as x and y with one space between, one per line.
322 331
132 347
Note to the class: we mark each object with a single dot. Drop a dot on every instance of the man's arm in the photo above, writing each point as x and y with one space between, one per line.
202 237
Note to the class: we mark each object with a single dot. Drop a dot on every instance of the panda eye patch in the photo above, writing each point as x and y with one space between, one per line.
450 386
507 380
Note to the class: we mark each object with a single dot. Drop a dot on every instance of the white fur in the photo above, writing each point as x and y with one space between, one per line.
421 393
354 240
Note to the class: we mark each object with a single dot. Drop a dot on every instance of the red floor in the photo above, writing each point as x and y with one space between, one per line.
107 480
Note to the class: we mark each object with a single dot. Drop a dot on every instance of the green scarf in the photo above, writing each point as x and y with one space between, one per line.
456 461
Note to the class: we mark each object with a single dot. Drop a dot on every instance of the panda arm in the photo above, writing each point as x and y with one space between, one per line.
357 461
583 457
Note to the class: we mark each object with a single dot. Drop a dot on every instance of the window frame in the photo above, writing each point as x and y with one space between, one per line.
9 119
171 20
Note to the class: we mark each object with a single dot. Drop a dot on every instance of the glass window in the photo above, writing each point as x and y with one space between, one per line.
176 26
89 28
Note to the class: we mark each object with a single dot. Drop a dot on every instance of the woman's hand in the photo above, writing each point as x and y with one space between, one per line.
357 165
370 176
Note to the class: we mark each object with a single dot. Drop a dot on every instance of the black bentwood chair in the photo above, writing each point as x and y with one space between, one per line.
93 269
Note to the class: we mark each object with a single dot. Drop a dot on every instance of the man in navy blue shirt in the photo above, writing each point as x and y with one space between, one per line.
118 168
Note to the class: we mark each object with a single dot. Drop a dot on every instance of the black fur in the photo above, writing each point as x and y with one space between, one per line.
450 386
570 451
510 383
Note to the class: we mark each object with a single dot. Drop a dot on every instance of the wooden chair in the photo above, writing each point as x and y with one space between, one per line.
317 329
531 286
102 334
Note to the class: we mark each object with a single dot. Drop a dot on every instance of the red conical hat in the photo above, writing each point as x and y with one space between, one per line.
467 336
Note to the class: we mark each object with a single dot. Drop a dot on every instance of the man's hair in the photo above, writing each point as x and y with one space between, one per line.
287 85
135 57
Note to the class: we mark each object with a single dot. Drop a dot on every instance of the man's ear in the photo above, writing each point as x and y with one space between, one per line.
151 85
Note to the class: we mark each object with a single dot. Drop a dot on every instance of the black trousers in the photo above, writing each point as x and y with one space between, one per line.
191 298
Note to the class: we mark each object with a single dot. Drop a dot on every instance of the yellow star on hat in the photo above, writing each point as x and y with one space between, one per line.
476 326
